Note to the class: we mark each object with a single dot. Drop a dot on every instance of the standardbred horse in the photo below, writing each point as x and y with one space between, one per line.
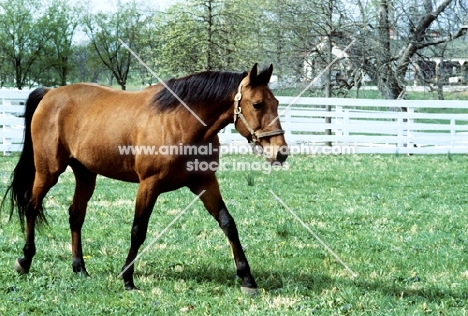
84 126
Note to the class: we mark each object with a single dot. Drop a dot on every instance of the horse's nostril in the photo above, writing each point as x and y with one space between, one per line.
281 157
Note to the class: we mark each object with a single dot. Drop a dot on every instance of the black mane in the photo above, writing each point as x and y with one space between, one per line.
203 87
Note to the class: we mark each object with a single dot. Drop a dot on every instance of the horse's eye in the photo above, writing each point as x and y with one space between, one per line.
258 105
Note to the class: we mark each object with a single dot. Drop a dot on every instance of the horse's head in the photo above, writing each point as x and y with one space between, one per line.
256 115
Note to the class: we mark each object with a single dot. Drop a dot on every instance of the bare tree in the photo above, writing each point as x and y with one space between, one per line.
389 43
105 30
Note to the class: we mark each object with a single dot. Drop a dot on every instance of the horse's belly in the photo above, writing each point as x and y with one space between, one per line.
108 165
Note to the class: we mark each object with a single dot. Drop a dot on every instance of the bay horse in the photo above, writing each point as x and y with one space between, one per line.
84 125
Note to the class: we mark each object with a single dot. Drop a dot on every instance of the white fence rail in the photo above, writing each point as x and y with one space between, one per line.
359 125
11 120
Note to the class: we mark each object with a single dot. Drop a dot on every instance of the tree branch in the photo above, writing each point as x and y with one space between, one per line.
461 32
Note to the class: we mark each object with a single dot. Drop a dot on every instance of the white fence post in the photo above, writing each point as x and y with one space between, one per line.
339 120
452 132
5 140
409 127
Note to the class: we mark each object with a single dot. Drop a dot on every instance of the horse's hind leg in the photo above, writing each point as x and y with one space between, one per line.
214 203
85 184
42 184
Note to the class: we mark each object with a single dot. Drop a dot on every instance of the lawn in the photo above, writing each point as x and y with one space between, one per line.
449 94
400 222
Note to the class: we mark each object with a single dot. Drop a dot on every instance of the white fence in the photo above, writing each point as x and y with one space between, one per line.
364 126
373 126
11 120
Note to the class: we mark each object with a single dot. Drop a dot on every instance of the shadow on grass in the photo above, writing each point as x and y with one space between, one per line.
403 290
275 281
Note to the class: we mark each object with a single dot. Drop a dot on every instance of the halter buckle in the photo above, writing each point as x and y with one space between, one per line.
238 96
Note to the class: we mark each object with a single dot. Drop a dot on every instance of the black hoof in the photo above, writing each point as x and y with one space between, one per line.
249 290
20 266
84 274
81 271
129 286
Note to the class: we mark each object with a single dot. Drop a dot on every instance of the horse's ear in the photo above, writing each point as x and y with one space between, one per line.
270 71
262 78
253 73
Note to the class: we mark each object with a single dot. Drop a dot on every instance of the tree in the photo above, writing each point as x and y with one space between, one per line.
106 29
390 35
288 30
89 67
307 33
4 71
210 35
62 23
23 36
388 43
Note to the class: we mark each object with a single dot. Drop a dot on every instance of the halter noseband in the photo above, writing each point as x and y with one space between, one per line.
256 135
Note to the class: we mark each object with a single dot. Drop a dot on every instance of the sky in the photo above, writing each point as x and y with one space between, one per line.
108 5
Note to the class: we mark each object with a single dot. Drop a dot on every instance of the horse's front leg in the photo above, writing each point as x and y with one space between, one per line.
145 200
215 205
85 184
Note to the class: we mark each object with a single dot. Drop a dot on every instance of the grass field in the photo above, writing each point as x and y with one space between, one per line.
374 94
400 222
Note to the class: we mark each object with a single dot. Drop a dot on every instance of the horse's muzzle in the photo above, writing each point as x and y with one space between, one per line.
281 156
274 153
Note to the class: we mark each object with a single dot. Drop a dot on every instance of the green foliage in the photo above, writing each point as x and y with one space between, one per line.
211 35
400 222
22 38
107 30
53 42
56 65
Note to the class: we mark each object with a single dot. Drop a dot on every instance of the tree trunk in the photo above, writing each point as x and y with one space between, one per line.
391 81
18 74
387 81
209 56
328 74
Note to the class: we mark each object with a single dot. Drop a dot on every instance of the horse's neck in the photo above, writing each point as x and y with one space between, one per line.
216 121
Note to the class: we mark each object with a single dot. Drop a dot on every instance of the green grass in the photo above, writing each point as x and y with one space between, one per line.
372 94
400 222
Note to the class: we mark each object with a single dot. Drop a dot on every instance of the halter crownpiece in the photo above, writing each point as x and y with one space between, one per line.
256 135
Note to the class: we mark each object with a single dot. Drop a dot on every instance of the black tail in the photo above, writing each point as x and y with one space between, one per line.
19 191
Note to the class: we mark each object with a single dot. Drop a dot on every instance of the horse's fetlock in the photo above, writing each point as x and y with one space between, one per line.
29 251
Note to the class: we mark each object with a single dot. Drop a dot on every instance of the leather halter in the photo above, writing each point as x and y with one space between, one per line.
256 135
